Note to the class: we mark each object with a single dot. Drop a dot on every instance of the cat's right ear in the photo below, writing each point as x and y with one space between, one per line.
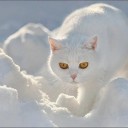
54 44
91 43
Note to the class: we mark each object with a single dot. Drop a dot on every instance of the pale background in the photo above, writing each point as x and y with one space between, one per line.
15 14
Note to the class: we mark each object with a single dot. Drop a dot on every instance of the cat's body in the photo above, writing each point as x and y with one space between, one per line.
95 36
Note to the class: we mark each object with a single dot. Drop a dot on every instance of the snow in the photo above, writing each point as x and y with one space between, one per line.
28 91
18 96
31 45
15 113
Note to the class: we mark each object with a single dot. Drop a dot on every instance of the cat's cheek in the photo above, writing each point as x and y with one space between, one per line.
54 69
62 74
81 79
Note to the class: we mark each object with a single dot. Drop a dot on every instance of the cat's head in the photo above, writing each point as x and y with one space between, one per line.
73 62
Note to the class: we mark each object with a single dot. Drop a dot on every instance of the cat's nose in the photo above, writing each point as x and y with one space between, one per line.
73 76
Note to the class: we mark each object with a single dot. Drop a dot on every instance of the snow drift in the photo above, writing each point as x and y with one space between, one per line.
29 47
29 100
18 96
24 103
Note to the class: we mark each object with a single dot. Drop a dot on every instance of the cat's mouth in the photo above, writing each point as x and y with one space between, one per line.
74 82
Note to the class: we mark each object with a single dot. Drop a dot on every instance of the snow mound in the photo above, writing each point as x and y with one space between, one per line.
11 76
24 103
19 96
14 113
29 47
111 109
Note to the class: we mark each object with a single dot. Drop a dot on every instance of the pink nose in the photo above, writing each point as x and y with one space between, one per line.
73 76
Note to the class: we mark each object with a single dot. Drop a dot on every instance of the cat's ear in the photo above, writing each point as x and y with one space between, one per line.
54 44
91 43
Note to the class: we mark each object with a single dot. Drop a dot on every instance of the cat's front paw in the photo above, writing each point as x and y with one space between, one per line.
68 102
62 100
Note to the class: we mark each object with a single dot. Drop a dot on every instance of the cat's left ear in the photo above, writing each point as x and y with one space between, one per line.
91 43
54 44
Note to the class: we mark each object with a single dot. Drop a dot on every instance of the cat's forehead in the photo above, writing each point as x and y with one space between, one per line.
74 51
72 54
74 42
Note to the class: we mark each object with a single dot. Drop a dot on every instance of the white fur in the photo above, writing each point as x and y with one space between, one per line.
110 27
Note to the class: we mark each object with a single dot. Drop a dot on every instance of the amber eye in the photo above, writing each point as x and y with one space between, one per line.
83 65
63 65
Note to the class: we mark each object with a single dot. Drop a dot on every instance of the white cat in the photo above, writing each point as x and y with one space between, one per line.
89 49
